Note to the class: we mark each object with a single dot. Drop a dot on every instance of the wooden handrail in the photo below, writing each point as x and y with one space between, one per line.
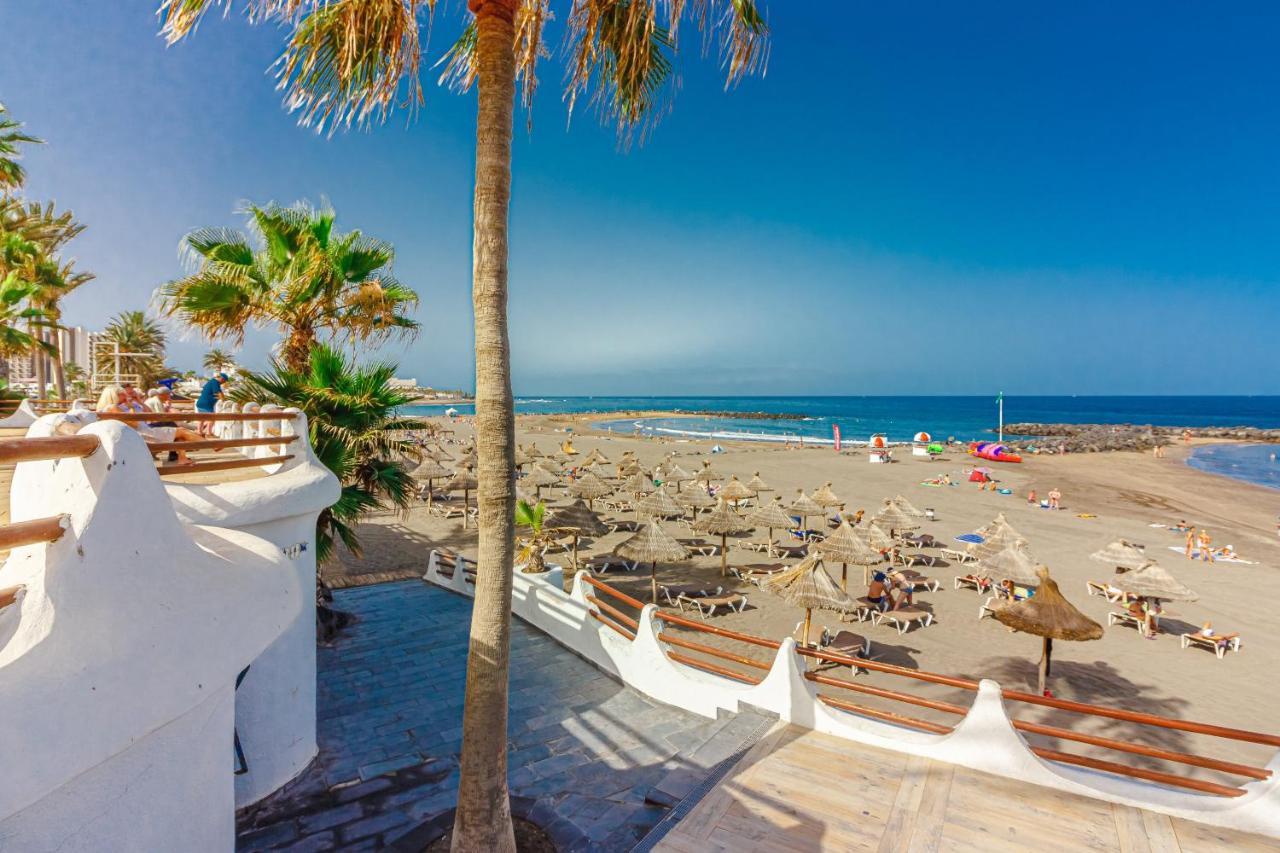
876 666
15 450
711 650
197 416
1144 719
712 629
1138 772
887 694
222 465
713 668
623 631
614 612
887 716
1148 751
21 533
219 443
621 596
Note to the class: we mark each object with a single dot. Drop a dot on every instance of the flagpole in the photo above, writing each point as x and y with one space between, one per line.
1000 436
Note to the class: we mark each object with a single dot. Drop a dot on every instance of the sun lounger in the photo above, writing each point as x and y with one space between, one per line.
926 559
673 592
601 563
958 556
918 580
756 574
1219 644
923 540
848 644
1125 618
700 546
759 547
617 524
1106 590
706 605
973 582
866 608
903 619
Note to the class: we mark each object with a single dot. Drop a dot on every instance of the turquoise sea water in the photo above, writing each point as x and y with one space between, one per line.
1253 463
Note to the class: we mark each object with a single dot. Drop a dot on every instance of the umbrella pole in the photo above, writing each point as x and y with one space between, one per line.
429 491
575 552
808 613
1044 662
724 555
653 581
844 576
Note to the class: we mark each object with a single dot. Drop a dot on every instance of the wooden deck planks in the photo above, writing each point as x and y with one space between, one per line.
798 790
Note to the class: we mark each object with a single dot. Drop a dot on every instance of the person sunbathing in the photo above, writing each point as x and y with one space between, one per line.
1205 541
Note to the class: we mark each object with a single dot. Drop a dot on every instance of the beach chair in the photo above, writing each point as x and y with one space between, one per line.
960 557
1130 620
789 550
1219 644
707 605
755 575
673 592
912 559
759 547
918 580
1106 590
903 619
973 582
865 609
846 644
922 540
700 546
601 563
616 525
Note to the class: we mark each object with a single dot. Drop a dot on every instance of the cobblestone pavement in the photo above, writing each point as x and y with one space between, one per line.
594 763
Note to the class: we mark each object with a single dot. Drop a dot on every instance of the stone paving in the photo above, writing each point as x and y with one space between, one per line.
590 760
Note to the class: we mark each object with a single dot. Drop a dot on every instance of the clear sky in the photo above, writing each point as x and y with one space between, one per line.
917 198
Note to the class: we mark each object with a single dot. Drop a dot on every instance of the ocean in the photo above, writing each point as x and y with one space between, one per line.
899 418
1253 463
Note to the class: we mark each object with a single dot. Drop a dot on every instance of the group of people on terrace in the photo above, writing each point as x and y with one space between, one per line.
166 429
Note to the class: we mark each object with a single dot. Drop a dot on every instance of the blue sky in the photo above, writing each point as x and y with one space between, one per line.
917 198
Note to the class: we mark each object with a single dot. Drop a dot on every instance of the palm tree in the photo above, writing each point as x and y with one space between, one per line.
355 431
11 136
16 311
296 273
216 359
351 62
141 343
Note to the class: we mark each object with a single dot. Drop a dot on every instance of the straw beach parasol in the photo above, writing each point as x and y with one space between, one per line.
652 545
707 474
1123 555
1048 615
595 457
578 520
463 481
695 497
996 537
1154 581
769 516
894 519
875 535
540 477
735 491
658 504
906 506
757 485
826 498
1014 562
809 586
722 521
804 507
589 485
429 471
676 474
847 546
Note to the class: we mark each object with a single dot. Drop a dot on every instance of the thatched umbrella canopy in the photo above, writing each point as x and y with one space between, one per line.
1123 555
577 519
463 481
769 516
804 507
826 498
707 474
695 497
735 491
892 518
627 467
722 521
595 457
548 464
675 474
847 546
658 504
638 483
540 477
533 452
809 586
429 471
875 535
1154 581
906 506
652 545
438 453
757 485
1049 615
588 485
997 536
1013 563
522 458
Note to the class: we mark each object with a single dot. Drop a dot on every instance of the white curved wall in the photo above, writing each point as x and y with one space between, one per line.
116 683
23 417
984 739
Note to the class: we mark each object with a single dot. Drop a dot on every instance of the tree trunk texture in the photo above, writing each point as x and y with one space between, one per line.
37 359
297 350
483 820
59 375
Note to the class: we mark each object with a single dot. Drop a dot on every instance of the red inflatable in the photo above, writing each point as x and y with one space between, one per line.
992 452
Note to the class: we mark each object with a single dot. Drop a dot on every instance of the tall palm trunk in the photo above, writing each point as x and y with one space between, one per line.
483 820
55 361
37 359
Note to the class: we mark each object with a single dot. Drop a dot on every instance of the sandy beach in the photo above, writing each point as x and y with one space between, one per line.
1122 495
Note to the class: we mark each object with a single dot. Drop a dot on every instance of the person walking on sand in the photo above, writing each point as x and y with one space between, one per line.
1191 542
1206 547
1055 498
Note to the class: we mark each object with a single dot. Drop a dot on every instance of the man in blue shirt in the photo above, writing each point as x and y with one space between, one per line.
209 397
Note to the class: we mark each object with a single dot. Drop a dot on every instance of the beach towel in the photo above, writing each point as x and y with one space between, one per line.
1195 555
